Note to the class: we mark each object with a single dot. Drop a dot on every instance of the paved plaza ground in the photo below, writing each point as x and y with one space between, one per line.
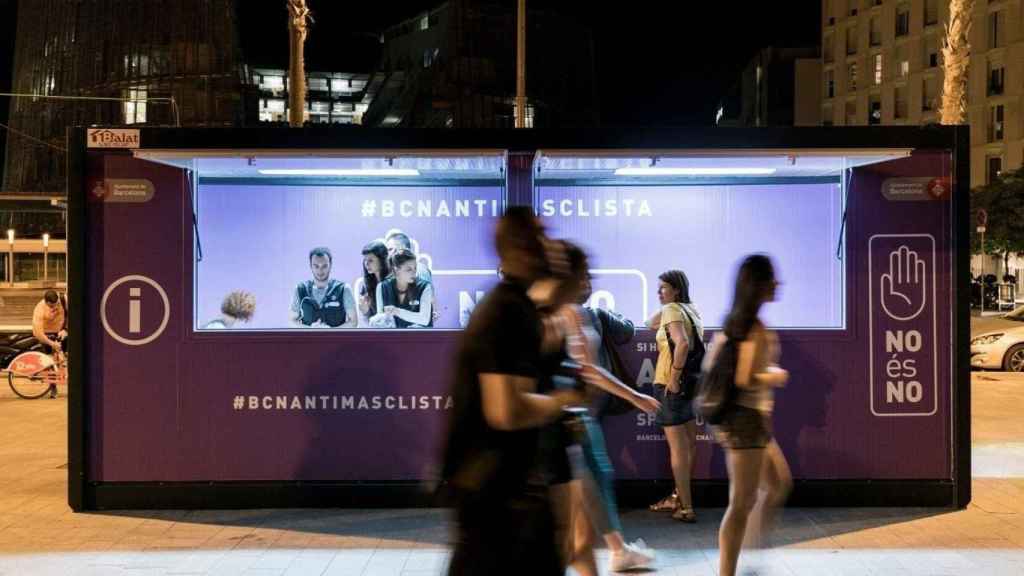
40 535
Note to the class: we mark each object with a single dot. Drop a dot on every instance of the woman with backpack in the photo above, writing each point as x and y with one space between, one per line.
759 478
680 352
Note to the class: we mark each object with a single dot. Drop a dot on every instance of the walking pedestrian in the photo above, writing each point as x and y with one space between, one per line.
759 477
593 505
502 508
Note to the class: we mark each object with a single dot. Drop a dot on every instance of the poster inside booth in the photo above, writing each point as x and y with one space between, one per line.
292 315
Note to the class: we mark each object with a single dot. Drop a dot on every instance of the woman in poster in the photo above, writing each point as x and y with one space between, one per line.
375 270
404 298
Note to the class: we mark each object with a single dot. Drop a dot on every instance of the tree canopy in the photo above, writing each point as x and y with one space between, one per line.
1003 199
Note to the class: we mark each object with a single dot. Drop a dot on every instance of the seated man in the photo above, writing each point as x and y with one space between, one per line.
49 321
323 301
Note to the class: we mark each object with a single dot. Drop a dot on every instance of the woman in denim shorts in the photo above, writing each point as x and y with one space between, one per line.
677 323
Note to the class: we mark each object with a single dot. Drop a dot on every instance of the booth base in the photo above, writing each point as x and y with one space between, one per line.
631 494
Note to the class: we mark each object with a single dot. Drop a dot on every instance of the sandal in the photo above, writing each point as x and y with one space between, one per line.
666 504
684 514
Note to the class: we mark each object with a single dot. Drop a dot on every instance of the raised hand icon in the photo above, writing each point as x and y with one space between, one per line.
905 286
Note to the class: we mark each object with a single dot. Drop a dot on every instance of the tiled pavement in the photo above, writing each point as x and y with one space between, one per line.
39 534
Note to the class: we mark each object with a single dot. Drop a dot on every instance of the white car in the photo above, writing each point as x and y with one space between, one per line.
998 343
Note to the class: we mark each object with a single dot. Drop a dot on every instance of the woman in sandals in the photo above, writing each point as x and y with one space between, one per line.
677 323
759 477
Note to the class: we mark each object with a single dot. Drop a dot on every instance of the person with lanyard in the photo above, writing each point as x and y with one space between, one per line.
405 297
323 301
395 240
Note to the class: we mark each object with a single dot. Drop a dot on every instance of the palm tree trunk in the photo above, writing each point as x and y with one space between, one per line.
298 14
956 55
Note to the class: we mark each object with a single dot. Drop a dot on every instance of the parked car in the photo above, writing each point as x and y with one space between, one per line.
997 343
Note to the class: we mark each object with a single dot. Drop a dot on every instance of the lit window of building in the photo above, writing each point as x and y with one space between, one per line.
135 106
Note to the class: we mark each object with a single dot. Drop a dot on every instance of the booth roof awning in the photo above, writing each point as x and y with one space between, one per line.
793 163
476 164
577 165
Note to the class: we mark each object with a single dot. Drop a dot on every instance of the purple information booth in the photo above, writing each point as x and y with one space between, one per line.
173 405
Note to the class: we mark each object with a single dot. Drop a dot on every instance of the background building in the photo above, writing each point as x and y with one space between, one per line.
778 87
185 49
455 66
331 97
882 62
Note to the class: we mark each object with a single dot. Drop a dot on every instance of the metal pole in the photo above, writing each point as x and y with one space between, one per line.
46 253
983 271
521 66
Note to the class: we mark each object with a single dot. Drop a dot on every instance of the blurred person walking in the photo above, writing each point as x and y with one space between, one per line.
592 492
503 510
759 477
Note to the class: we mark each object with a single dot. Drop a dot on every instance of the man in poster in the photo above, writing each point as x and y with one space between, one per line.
323 301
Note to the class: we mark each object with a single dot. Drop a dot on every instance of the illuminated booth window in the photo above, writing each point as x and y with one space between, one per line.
280 239
639 214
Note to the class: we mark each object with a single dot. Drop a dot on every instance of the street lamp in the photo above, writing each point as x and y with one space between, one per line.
46 251
10 256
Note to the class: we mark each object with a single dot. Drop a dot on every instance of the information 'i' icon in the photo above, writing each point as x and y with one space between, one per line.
135 310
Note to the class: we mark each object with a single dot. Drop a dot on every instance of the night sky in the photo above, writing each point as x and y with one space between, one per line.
657 62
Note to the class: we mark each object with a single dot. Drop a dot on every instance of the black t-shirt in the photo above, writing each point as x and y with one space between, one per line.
503 337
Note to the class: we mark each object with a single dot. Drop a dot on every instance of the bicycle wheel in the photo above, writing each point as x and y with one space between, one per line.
29 387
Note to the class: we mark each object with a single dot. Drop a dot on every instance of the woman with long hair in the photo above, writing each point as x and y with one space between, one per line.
404 299
586 499
678 325
375 271
759 477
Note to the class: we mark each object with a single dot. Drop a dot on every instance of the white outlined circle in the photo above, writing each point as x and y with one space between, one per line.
139 341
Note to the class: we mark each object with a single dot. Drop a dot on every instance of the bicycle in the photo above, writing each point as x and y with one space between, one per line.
33 374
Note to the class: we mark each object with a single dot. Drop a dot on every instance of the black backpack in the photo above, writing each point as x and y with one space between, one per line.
331 313
716 394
